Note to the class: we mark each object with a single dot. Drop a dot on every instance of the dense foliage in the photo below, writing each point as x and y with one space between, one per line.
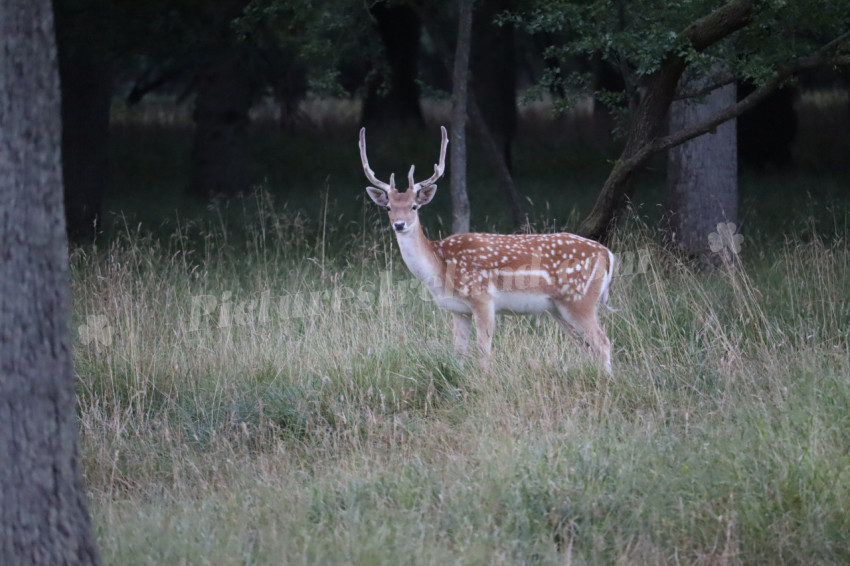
636 37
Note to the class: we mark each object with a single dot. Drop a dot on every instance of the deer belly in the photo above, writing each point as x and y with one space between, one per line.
520 302
449 301
452 304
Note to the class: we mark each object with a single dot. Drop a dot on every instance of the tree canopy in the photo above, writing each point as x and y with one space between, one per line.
651 43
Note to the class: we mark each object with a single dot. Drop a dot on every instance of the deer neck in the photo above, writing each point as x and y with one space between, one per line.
418 254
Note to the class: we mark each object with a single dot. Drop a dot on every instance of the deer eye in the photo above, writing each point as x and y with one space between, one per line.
414 207
387 207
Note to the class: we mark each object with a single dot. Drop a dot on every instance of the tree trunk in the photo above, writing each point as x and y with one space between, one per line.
702 174
86 84
43 510
400 29
225 93
460 96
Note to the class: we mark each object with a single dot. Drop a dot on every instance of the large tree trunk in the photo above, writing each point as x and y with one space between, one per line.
460 99
43 510
86 75
702 174
225 93
400 28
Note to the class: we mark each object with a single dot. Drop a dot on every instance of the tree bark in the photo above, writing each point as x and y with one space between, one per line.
702 173
43 509
460 96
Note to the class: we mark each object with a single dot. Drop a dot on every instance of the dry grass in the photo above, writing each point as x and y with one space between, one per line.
341 430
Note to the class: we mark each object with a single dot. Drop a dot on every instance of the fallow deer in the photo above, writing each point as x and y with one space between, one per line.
475 276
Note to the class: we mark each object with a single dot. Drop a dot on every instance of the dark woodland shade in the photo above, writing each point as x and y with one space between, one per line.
400 29
225 92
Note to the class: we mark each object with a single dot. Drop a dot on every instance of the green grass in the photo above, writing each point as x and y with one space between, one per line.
275 389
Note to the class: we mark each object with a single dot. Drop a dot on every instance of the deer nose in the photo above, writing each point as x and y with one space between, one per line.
399 226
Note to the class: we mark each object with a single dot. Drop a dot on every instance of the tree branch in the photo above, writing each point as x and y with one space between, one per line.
759 94
722 79
711 28
819 57
144 85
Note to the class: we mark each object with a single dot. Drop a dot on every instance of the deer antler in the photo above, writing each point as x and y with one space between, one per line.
439 168
410 176
368 170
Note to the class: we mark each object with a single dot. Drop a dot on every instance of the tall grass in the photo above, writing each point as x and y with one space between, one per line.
262 391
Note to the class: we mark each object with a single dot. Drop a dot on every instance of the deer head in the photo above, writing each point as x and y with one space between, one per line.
403 207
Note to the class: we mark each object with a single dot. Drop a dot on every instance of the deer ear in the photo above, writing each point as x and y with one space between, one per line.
378 196
425 194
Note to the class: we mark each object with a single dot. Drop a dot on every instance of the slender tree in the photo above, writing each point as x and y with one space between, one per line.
497 156
43 510
493 107
494 74
460 101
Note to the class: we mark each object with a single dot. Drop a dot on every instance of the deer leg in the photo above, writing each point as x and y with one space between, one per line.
599 342
485 322
588 327
462 325
570 327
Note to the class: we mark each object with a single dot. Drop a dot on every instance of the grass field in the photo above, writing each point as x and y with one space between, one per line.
266 384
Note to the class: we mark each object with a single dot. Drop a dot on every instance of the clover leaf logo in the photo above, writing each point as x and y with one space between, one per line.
96 331
725 237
